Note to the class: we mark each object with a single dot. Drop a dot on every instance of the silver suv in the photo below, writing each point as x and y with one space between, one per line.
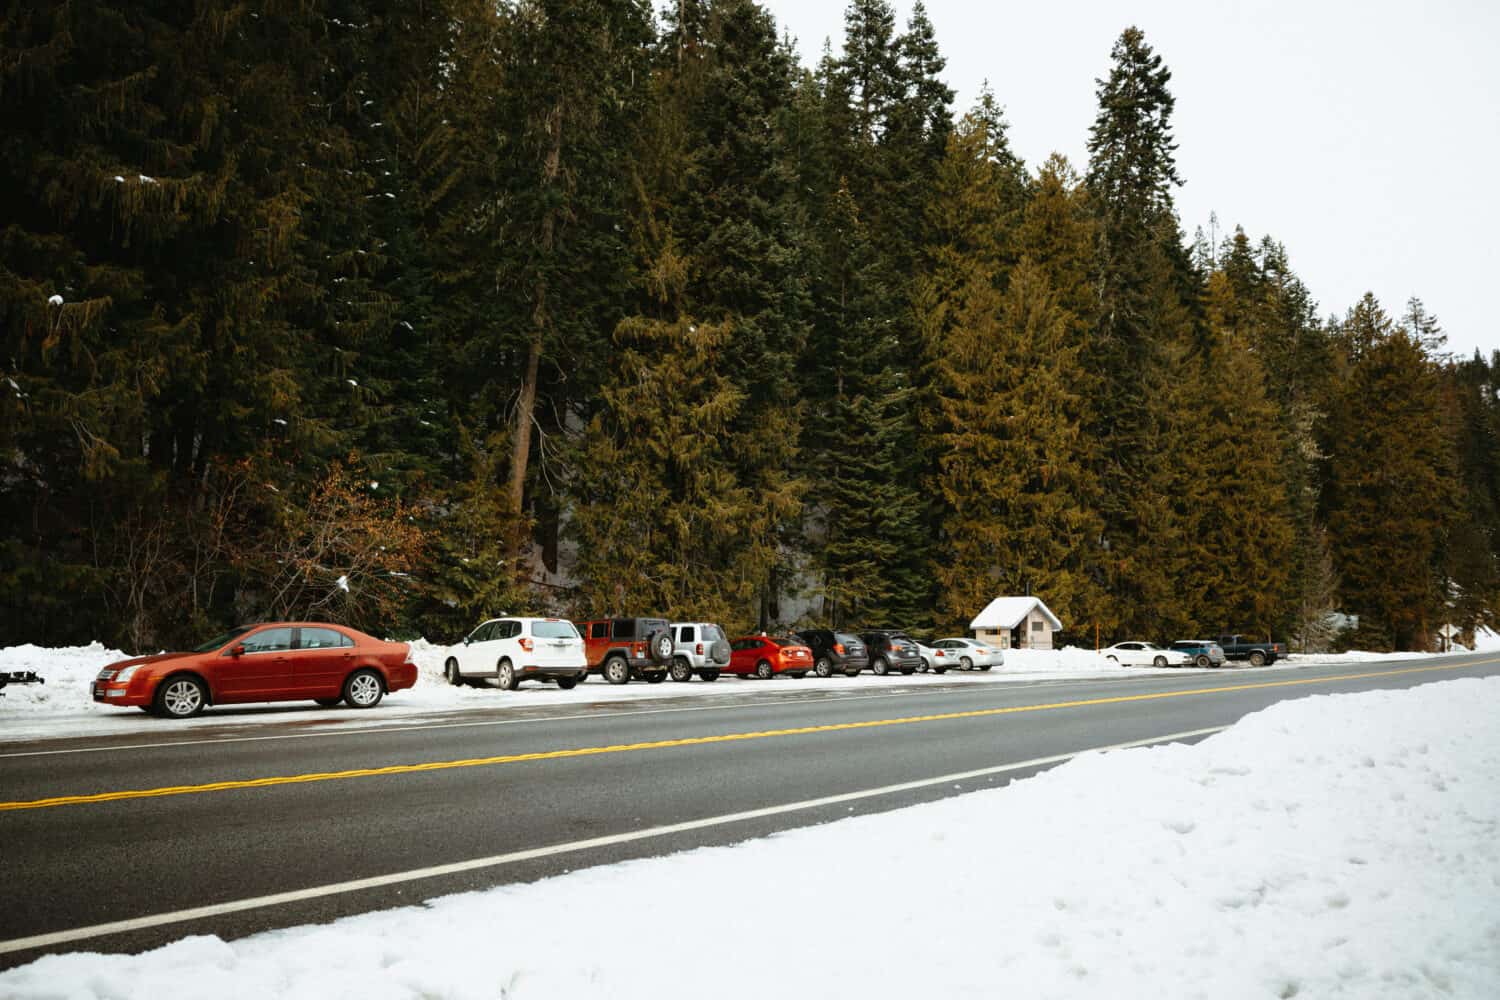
698 648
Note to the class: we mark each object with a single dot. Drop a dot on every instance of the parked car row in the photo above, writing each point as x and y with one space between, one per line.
621 650
1195 652
329 664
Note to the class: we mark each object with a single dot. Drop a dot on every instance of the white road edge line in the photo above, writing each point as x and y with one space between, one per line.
397 727
498 860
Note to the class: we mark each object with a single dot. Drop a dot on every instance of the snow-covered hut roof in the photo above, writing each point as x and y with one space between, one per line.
1008 612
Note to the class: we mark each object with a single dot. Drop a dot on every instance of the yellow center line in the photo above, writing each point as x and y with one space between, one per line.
689 741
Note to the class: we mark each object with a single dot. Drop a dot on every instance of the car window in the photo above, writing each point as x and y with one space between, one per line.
481 633
712 633
271 640
322 638
845 637
599 630
623 628
554 630
507 630
786 642
687 634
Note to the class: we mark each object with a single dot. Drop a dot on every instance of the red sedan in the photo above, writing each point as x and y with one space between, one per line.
765 656
277 661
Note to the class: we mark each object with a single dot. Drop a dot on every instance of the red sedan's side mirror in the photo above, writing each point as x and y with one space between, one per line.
238 649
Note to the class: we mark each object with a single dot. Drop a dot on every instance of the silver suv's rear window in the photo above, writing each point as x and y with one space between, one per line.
712 633
554 630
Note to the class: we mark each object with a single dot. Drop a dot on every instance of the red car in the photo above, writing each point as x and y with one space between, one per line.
765 656
277 661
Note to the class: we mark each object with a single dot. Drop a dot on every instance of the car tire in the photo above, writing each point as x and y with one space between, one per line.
985 666
851 671
880 667
616 670
451 673
680 670
567 683
709 675
824 667
506 675
180 697
1203 660
363 689
661 646
940 670
764 671
908 671
1159 662
1257 658
655 676
328 702
966 663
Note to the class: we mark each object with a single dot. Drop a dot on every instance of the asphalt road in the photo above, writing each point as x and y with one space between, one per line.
133 832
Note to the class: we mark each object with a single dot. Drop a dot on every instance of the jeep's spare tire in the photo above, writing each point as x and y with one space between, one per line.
719 651
661 646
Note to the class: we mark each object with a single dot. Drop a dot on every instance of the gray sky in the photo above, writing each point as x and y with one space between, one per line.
1364 136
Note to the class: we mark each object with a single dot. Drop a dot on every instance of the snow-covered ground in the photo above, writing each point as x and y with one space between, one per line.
1334 846
63 705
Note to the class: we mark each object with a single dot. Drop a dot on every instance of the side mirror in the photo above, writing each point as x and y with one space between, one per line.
466 640
238 649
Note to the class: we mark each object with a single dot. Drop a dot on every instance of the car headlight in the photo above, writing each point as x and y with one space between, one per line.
124 675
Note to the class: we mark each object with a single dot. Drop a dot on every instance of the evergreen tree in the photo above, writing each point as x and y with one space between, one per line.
1390 498
1146 325
1234 564
724 306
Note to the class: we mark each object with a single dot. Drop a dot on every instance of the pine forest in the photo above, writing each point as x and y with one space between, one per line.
404 315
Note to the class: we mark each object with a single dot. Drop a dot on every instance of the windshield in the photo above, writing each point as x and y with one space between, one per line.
780 641
222 640
554 630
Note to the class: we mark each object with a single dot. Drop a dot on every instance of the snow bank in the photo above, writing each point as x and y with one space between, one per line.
1343 846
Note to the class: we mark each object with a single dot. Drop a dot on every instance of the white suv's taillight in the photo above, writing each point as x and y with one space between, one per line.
527 644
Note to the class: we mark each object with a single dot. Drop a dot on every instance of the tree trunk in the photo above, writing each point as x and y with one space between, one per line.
541 319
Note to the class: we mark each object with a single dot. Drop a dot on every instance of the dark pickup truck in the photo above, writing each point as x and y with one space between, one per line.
1240 647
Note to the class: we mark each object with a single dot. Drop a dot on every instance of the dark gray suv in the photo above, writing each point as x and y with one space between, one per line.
835 652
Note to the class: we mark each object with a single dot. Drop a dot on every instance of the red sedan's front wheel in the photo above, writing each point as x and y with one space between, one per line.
764 671
180 697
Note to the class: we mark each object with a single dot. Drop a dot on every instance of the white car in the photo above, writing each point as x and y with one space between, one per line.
515 649
1146 654
970 654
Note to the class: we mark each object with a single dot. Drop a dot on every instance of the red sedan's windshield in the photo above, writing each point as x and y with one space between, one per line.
222 640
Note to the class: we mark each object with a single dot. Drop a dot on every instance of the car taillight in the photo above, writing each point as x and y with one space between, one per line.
699 650
526 644
838 648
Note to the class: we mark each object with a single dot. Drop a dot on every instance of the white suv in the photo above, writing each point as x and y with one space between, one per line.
698 648
515 649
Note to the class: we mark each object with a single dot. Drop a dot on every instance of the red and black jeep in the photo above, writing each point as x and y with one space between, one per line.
628 648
